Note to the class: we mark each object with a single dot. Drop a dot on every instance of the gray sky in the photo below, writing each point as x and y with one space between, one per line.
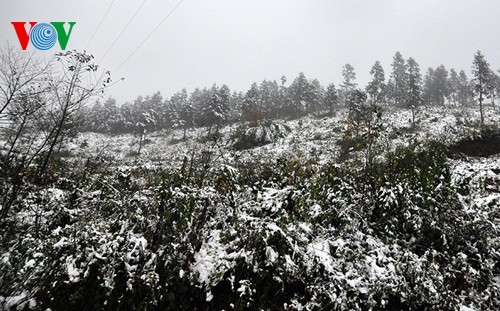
238 42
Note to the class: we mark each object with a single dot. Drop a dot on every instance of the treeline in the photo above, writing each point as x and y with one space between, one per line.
218 105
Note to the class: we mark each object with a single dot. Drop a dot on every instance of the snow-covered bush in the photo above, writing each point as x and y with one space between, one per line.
266 133
285 234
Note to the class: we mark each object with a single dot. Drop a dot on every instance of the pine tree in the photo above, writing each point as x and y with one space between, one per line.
219 105
376 88
251 109
399 81
269 97
331 97
482 79
440 88
493 86
181 112
427 86
301 94
200 100
236 105
348 83
464 90
497 84
453 86
282 98
358 111
414 83
316 96
364 124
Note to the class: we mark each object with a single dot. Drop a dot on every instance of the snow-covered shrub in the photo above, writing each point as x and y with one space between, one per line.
265 133
260 234
409 188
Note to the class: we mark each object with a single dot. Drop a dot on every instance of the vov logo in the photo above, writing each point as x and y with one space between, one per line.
43 36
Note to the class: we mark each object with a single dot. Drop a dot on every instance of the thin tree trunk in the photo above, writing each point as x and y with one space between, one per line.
18 134
61 121
481 106
54 141
141 140
413 117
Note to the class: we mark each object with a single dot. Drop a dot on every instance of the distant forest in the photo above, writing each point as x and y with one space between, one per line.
218 105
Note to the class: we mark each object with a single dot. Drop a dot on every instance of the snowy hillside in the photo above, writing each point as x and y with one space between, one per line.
283 215
308 136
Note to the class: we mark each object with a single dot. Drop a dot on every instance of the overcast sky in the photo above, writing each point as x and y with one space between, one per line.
238 42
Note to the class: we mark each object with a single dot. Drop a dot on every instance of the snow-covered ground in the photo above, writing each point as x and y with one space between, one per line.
222 236
308 136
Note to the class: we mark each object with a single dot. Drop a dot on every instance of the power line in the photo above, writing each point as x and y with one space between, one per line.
158 26
99 25
123 30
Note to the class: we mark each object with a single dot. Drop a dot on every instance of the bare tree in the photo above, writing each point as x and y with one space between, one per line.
18 70
22 114
74 83
44 109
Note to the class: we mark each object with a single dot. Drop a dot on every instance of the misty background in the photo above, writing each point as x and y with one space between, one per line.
240 42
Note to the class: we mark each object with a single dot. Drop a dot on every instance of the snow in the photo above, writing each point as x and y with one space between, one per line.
61 243
273 227
5 258
211 259
17 301
271 254
57 231
320 250
73 272
252 227
30 264
209 296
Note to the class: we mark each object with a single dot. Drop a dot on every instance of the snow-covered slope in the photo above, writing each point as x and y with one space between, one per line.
201 224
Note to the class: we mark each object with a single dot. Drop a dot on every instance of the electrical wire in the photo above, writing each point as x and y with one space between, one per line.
99 25
156 28
123 30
